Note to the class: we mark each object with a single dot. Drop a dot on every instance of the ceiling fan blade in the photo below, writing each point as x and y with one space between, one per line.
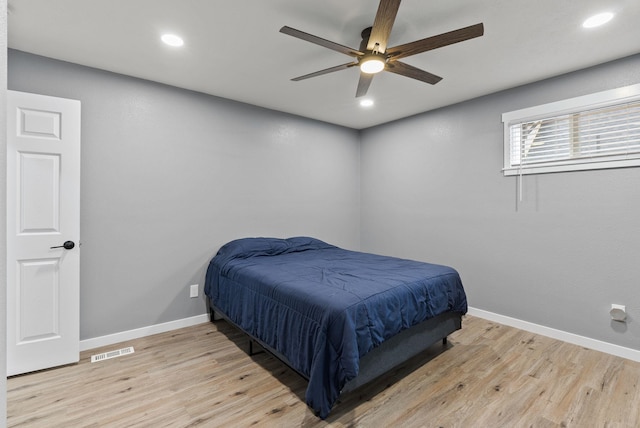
382 24
435 42
363 84
407 70
320 41
325 71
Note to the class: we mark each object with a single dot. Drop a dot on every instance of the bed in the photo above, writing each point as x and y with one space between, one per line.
340 318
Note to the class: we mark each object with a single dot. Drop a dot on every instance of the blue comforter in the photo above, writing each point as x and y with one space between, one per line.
323 307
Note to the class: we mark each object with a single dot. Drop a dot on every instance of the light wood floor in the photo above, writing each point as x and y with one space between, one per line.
489 375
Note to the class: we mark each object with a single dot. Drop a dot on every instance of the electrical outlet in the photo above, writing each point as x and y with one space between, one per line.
193 290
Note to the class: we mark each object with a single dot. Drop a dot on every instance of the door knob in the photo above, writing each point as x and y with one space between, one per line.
67 245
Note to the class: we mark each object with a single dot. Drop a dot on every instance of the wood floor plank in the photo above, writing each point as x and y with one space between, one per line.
488 375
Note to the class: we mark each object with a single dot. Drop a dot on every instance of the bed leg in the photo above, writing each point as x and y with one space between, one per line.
251 351
444 341
213 317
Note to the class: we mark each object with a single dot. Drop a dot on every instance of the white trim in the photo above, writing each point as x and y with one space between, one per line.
587 342
609 348
123 336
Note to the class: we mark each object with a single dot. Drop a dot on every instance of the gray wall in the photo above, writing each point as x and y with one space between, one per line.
168 176
432 190
3 210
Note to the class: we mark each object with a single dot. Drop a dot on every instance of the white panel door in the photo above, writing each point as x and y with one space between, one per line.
43 221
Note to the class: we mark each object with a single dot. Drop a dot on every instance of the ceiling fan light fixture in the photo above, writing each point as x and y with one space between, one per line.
372 63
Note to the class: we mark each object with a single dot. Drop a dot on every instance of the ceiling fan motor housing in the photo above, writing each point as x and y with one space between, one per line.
365 34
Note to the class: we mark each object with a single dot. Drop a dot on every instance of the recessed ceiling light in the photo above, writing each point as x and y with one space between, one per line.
366 102
597 20
172 40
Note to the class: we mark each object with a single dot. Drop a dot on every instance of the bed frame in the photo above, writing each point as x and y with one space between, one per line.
391 353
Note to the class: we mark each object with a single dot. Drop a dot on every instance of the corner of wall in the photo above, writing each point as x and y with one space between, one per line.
360 189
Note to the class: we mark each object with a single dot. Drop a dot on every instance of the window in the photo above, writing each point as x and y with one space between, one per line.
594 131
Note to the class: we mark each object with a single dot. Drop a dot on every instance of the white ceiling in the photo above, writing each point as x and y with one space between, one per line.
233 48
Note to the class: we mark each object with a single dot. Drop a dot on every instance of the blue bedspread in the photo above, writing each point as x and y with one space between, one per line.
323 307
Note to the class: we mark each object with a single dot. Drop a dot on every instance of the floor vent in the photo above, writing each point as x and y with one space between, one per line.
111 354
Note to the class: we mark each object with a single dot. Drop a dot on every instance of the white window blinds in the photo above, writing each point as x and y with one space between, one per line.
584 133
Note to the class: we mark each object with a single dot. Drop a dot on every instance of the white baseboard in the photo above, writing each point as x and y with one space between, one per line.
110 339
609 348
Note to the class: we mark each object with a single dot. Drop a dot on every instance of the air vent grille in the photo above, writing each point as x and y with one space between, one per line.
111 354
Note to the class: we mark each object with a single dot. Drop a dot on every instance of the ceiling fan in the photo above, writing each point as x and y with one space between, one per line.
373 55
